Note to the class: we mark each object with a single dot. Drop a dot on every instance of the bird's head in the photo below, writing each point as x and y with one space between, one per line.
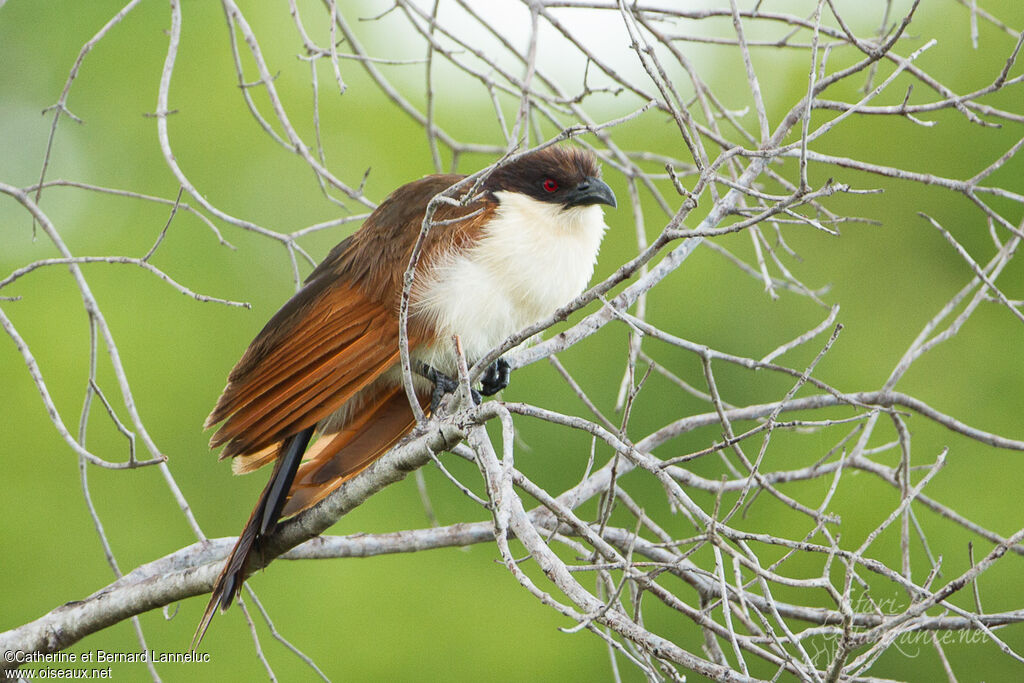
564 177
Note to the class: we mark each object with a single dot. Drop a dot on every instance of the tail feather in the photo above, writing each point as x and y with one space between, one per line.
383 418
261 522
275 498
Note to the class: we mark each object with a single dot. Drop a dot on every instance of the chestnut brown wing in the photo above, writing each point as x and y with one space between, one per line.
315 355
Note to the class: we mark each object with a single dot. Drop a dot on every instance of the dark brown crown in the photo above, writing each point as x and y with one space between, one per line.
532 174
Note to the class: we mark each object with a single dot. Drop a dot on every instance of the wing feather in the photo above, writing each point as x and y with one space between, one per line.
337 344
315 342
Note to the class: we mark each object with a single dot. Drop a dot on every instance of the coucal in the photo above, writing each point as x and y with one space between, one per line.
327 364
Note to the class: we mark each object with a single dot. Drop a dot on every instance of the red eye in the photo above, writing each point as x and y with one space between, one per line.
550 185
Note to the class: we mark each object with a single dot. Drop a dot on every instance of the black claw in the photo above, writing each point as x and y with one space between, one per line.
443 384
495 378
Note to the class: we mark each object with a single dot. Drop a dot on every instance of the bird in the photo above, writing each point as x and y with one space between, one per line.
327 365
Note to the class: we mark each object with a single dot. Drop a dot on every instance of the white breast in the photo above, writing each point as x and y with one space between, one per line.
531 258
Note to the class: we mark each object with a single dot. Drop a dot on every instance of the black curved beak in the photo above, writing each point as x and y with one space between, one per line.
591 191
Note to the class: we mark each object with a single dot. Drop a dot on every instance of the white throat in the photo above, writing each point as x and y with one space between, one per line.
531 258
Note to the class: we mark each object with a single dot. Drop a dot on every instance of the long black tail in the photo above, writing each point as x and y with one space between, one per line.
262 522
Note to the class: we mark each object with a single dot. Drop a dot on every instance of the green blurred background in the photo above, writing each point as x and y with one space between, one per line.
451 614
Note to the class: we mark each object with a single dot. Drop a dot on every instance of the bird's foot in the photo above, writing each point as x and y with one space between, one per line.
495 378
443 384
